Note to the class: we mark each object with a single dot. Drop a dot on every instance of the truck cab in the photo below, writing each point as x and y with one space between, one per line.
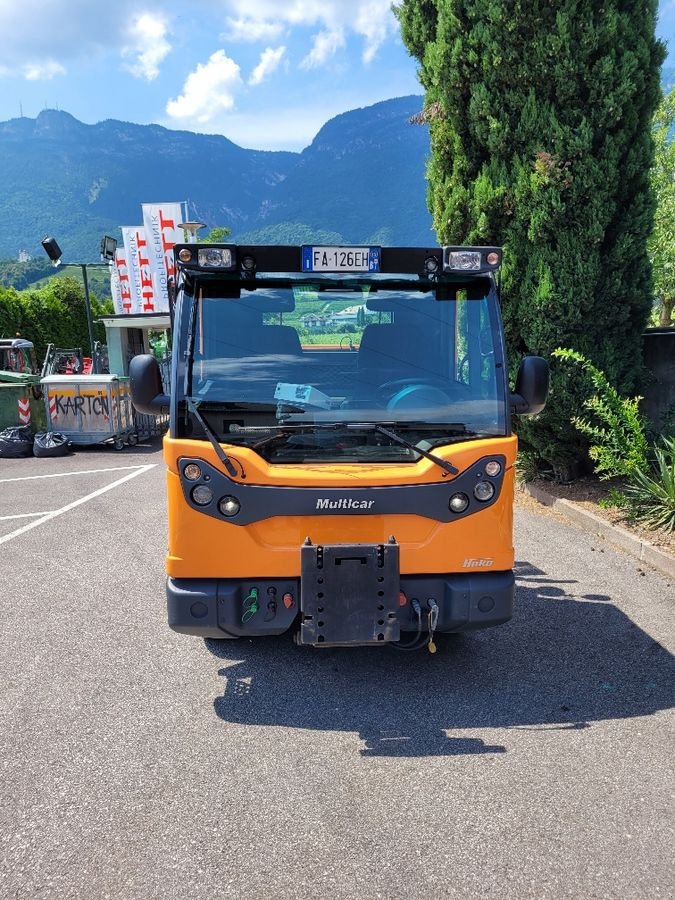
340 458
17 356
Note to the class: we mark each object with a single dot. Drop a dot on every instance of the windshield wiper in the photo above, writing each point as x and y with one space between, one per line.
393 436
193 407
347 426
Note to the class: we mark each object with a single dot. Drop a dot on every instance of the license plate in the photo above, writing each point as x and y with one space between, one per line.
340 259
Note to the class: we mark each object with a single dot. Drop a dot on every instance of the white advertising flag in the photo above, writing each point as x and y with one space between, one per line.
115 287
120 285
138 265
160 222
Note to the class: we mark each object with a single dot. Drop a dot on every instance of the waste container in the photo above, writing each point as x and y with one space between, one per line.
90 409
21 401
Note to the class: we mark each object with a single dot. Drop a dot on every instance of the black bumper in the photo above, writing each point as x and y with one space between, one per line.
219 608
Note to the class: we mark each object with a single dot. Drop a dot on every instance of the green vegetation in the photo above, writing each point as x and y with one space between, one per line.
650 492
53 314
621 450
662 241
217 235
616 430
289 233
20 275
540 132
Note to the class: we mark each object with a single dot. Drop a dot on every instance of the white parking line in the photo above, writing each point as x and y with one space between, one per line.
57 512
66 474
24 516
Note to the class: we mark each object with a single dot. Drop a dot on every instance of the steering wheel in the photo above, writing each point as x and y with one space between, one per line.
407 393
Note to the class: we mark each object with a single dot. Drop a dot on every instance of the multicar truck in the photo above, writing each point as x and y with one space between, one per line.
340 454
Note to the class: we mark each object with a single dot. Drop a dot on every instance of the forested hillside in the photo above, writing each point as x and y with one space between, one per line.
362 178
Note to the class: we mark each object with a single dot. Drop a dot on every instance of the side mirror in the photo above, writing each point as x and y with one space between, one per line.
145 385
529 397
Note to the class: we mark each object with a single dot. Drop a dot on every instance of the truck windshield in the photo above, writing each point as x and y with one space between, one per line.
273 368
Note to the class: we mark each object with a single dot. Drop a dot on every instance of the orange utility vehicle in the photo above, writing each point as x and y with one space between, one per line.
340 454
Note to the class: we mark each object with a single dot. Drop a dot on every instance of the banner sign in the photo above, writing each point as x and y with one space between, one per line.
160 222
120 285
138 266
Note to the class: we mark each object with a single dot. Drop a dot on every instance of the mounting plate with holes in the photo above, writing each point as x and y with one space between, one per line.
349 594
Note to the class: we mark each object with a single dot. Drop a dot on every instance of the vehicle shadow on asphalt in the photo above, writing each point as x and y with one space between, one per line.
562 663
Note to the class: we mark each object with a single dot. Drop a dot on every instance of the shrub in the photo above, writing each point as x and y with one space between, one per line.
616 430
650 492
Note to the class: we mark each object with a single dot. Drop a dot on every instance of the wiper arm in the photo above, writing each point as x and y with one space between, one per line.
350 426
444 464
193 406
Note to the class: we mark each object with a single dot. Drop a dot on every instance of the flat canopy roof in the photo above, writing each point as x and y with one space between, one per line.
143 320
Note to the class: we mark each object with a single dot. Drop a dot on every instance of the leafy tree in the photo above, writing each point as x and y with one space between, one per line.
217 235
662 241
540 118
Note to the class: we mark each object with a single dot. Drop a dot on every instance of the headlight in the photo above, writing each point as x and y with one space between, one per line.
192 472
216 257
229 506
463 260
484 491
202 495
458 503
493 468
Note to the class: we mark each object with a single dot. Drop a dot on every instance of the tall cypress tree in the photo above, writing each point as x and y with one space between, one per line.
540 114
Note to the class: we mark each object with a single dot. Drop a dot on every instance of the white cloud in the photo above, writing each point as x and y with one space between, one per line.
269 62
208 90
148 44
45 35
372 20
248 29
42 71
326 44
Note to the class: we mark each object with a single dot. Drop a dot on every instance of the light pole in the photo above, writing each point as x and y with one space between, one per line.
53 251
191 228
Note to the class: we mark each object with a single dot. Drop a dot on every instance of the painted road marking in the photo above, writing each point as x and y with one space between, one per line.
25 516
57 512
81 472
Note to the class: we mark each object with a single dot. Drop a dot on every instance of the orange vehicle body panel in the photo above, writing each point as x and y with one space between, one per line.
201 546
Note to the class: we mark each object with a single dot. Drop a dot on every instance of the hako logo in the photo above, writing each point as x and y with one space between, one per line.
478 563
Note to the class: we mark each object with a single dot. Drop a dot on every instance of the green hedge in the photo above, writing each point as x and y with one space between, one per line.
54 314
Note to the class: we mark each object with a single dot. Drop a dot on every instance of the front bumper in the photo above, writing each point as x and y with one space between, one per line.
220 608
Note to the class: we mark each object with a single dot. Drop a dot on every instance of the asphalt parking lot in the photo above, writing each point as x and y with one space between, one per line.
532 760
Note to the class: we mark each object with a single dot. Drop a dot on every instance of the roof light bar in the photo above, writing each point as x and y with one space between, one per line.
247 261
471 259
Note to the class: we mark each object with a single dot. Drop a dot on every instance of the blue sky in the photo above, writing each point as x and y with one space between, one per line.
264 73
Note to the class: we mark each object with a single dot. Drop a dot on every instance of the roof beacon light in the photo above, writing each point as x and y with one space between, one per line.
216 257
431 265
471 259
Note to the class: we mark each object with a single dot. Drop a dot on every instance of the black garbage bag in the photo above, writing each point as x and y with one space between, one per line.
51 443
16 442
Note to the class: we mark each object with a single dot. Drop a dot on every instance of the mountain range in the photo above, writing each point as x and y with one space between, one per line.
362 179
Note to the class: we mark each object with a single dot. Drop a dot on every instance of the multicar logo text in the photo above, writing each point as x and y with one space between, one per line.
343 503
